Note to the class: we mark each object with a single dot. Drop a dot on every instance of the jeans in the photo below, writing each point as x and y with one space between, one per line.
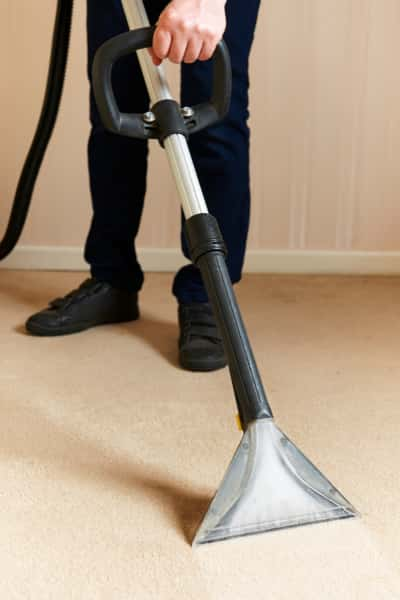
118 165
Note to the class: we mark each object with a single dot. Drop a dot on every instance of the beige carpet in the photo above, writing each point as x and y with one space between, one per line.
110 453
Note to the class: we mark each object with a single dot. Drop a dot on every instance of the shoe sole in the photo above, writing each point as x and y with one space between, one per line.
202 366
40 331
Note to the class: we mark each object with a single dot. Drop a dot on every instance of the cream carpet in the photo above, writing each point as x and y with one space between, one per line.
110 453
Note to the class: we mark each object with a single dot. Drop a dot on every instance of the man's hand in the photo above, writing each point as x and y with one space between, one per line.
188 30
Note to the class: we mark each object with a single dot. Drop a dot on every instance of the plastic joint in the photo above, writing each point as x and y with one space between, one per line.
204 236
169 119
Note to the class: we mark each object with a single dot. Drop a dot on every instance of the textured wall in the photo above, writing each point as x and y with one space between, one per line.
325 102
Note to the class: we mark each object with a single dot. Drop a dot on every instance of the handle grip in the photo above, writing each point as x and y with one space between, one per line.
132 124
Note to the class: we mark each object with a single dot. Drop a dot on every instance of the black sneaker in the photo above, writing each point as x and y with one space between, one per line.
93 303
200 344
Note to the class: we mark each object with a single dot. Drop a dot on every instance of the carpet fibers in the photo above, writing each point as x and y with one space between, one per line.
109 453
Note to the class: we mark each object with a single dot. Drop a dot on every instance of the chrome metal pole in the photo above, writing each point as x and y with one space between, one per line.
176 146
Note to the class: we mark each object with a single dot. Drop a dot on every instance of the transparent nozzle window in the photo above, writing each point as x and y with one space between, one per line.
270 485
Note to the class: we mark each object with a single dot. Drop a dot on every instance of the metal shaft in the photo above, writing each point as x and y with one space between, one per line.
249 392
176 146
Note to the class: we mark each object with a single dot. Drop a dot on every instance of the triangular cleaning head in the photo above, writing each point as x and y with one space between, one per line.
270 485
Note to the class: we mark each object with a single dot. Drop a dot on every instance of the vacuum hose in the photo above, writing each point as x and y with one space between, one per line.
44 129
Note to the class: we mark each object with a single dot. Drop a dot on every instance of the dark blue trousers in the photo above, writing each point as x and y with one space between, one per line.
117 165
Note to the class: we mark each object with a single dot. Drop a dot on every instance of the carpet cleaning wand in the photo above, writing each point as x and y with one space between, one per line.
269 484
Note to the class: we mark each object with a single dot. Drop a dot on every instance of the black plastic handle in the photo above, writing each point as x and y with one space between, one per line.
132 124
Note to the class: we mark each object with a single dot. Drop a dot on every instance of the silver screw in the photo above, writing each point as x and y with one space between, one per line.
148 117
187 112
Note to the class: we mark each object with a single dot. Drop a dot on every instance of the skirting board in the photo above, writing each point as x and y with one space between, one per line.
257 261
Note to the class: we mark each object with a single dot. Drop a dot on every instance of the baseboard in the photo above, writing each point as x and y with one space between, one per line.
257 261
323 262
70 258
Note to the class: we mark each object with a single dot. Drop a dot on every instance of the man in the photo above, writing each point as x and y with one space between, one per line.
187 32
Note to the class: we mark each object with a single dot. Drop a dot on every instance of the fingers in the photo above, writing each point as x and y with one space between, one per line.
208 48
193 50
154 58
182 39
162 40
178 48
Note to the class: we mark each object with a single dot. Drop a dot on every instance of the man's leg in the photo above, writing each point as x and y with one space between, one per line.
117 165
221 153
117 169
221 157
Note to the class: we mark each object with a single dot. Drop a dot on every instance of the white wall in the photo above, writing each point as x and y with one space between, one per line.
325 105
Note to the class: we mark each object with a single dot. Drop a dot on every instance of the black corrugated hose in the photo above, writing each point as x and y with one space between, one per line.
44 129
